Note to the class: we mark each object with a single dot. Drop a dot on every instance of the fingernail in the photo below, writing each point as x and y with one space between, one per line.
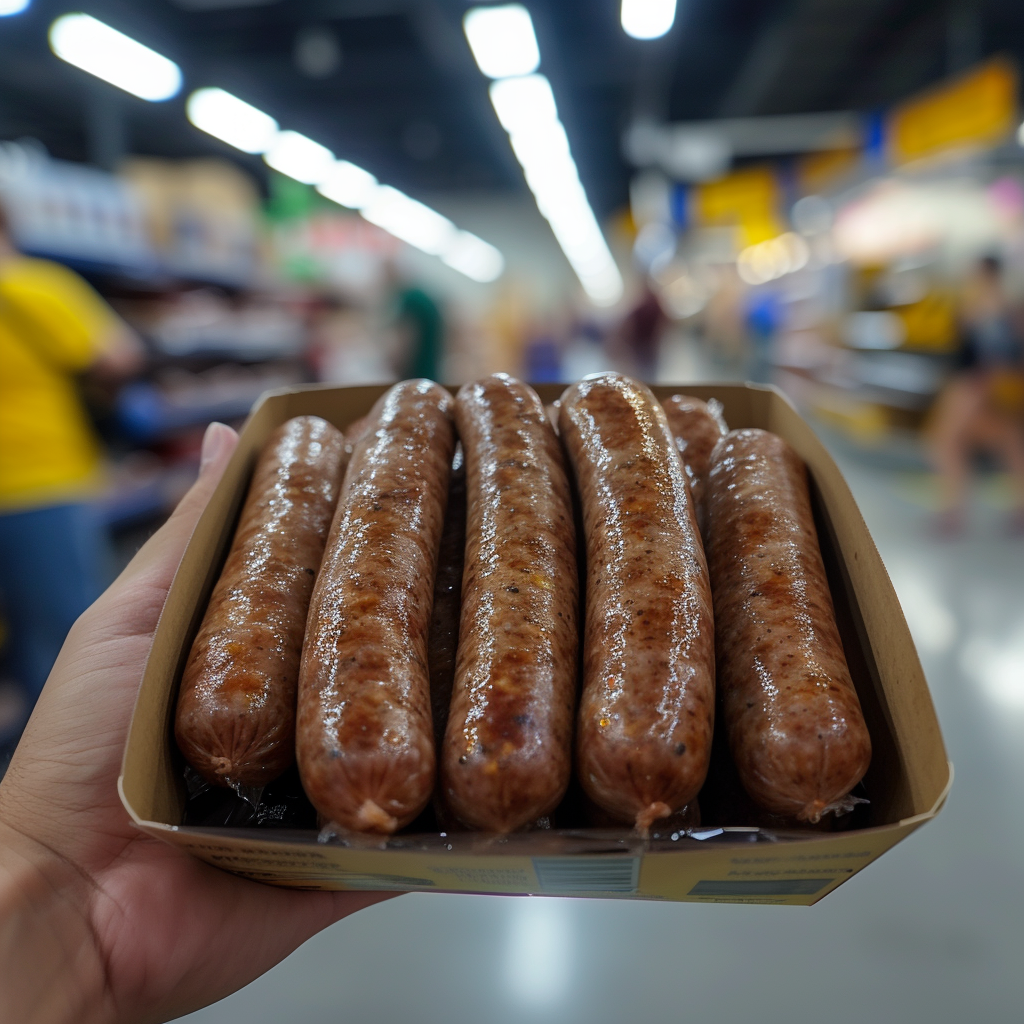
213 444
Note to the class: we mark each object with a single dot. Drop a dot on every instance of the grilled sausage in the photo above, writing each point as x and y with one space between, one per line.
790 710
235 720
696 427
647 713
364 738
507 750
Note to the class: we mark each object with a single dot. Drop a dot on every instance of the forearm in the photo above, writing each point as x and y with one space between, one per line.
50 969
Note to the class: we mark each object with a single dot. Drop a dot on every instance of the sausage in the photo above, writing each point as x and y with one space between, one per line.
364 740
443 639
696 427
647 712
235 719
507 752
791 713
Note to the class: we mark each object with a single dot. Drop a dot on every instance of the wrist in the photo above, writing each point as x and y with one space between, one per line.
50 966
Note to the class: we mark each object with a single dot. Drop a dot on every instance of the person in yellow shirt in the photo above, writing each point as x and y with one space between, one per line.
53 328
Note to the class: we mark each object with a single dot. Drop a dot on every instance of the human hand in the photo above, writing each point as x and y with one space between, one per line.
101 923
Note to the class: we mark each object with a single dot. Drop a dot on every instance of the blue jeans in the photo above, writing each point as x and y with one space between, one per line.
53 564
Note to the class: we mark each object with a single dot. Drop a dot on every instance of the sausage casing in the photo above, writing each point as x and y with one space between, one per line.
647 711
507 752
696 427
791 713
235 720
364 738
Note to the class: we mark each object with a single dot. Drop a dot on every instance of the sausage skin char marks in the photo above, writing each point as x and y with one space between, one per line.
507 752
791 713
364 740
235 720
647 711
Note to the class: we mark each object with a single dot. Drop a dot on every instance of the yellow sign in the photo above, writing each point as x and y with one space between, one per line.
748 198
980 107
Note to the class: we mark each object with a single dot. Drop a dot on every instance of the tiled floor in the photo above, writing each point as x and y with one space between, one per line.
932 932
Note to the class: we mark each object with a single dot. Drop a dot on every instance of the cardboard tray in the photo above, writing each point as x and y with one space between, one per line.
907 782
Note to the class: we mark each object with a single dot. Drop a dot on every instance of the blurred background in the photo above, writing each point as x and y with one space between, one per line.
204 199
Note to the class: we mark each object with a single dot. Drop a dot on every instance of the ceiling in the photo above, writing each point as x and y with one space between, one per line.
406 101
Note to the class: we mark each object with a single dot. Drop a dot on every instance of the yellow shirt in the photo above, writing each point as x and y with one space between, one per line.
52 327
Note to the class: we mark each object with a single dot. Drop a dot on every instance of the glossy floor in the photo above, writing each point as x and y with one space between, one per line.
932 932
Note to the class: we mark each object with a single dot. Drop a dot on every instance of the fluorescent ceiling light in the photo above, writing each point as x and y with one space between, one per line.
409 220
647 19
300 158
526 108
348 185
502 40
9 7
231 120
522 103
547 148
95 47
474 257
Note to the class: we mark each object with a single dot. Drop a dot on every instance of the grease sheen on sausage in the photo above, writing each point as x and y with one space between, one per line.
364 739
647 712
791 713
235 720
507 755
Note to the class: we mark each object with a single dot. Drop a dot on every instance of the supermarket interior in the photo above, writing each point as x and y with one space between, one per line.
205 200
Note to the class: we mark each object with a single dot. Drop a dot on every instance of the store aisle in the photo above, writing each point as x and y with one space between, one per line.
931 932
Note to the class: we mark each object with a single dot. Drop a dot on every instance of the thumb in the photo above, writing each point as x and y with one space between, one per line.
161 554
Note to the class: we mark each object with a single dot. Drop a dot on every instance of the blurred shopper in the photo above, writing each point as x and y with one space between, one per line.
53 328
420 327
980 408
542 357
636 344
764 317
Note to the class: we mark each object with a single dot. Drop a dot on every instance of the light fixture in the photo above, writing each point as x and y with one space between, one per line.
95 47
409 220
9 7
231 120
523 103
527 110
299 157
502 40
647 19
348 185
474 257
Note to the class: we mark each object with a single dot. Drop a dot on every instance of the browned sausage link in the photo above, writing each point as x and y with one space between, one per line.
791 713
235 719
443 640
364 739
696 427
507 752
647 711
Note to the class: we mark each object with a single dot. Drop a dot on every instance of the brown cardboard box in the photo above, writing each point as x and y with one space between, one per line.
907 782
